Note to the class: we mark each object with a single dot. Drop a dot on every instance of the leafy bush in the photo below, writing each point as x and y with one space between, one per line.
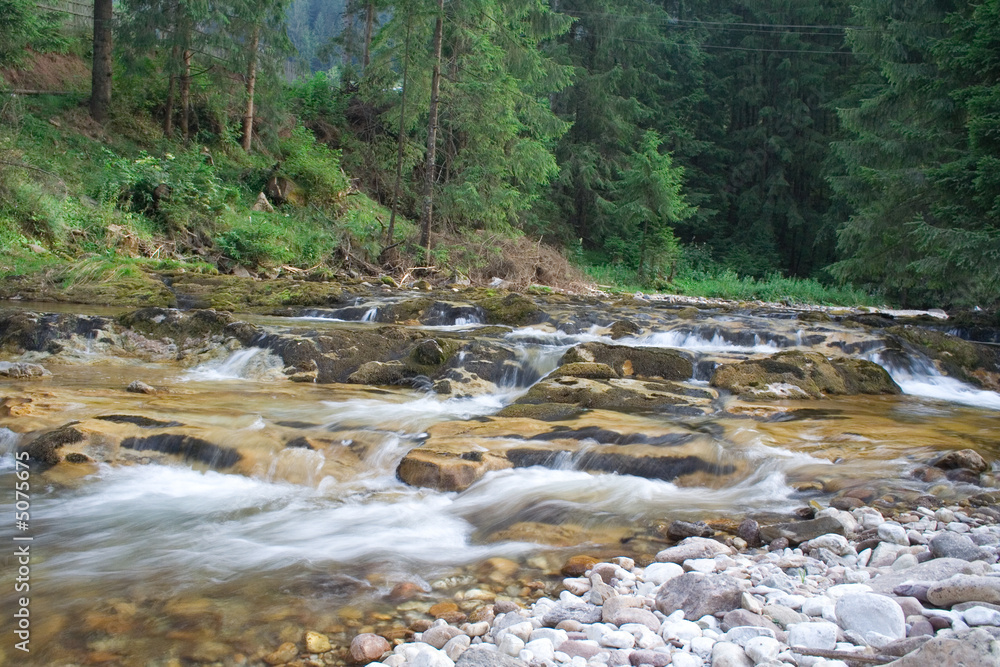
179 190
314 167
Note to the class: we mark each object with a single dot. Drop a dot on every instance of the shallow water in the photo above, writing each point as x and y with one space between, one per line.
166 561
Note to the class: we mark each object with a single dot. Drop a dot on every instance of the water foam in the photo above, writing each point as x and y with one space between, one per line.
923 379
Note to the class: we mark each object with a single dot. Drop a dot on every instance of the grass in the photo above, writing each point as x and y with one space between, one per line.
716 281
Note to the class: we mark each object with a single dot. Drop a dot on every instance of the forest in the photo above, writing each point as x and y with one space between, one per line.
847 145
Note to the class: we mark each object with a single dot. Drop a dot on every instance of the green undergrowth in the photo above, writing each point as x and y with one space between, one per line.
84 205
712 280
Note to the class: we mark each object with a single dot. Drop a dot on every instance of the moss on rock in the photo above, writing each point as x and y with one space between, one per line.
796 374
512 309
638 361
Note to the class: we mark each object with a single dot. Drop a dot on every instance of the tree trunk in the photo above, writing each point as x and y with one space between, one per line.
168 112
427 209
402 137
369 24
347 31
186 97
100 81
168 115
251 83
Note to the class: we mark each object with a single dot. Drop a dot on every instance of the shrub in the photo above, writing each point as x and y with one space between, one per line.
314 167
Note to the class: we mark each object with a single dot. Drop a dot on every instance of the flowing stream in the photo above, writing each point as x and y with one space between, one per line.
172 563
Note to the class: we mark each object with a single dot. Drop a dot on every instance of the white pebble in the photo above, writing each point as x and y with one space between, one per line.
762 649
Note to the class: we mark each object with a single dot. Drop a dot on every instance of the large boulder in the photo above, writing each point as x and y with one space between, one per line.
699 595
796 374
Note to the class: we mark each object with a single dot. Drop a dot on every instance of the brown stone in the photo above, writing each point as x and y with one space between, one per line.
454 617
576 566
317 643
442 608
498 569
964 459
368 647
405 590
284 653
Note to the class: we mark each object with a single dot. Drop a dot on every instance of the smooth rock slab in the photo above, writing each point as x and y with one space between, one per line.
699 595
368 647
820 635
741 617
727 654
484 657
693 547
620 610
659 573
976 648
797 532
981 616
581 613
964 588
954 545
762 649
653 658
440 635
865 613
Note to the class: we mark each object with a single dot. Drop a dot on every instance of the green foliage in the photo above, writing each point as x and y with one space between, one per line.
919 169
698 276
314 167
180 191
23 27
316 98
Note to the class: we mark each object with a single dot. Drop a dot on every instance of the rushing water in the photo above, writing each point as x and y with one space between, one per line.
145 564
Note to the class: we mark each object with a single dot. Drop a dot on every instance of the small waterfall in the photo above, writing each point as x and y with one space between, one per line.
252 363
719 341
370 315
917 376
8 445
533 363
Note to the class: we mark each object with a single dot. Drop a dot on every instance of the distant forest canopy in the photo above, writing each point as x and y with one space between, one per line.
854 141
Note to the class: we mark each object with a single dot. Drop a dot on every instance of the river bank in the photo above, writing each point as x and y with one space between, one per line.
344 469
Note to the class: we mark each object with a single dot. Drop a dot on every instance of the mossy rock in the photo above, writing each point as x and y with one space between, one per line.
585 369
45 448
407 311
623 328
512 309
814 316
688 313
22 330
796 374
633 361
132 290
377 373
622 395
174 324
236 294
971 362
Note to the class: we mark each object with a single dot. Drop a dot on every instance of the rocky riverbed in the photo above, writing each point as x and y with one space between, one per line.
217 488
921 588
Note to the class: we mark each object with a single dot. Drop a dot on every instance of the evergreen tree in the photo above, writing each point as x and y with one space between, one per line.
919 170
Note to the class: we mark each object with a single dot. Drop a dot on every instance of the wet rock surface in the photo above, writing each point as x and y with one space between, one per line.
611 449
